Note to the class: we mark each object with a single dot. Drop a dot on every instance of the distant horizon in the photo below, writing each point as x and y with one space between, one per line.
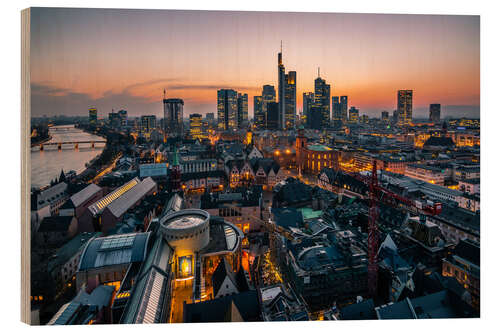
123 59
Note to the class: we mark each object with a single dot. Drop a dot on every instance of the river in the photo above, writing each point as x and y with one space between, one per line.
47 164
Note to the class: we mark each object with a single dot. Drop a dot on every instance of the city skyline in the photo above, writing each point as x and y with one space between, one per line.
367 57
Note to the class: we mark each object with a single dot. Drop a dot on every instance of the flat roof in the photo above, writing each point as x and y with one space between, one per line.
319 148
309 213
185 221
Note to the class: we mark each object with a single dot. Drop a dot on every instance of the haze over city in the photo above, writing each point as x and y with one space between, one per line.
125 58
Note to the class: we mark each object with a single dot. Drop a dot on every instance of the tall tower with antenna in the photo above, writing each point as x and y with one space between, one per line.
281 89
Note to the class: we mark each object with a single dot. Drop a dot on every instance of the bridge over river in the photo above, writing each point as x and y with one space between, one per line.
69 137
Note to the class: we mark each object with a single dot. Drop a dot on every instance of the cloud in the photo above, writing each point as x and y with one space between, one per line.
209 87
49 100
138 98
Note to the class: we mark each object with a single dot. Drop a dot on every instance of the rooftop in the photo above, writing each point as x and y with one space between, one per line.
55 224
82 196
98 207
319 148
68 250
224 237
125 200
187 220
114 250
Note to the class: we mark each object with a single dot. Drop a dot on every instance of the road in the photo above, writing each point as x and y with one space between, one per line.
183 291
106 170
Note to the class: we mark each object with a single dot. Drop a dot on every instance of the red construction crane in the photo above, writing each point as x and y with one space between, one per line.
385 196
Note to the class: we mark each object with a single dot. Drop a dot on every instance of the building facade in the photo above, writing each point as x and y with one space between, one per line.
195 126
93 117
227 109
322 100
242 110
435 113
405 106
173 113
353 115
290 99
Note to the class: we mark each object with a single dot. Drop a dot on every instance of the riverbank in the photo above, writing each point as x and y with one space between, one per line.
47 164
36 143
106 161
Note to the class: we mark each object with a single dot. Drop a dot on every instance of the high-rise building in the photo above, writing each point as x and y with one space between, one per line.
195 126
364 119
123 117
435 113
336 109
281 91
227 109
405 106
353 115
173 113
307 106
210 117
93 117
114 119
322 100
272 116
395 116
344 107
148 124
290 99
242 110
385 117
268 96
287 95
259 116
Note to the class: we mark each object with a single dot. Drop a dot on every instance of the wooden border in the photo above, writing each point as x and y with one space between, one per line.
25 167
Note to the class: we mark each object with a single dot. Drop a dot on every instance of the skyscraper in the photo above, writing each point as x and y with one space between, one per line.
210 117
307 105
259 117
287 95
268 95
405 106
93 117
195 126
435 113
344 106
272 116
123 117
322 100
242 110
385 117
148 124
227 109
173 113
114 119
281 91
336 111
290 99
353 115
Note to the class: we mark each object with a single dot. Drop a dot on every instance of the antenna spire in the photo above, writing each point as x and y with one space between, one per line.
281 46
318 72
164 93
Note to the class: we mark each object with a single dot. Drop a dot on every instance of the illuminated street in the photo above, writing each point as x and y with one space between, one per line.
183 291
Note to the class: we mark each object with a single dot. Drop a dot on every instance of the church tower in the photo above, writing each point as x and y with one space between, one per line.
300 146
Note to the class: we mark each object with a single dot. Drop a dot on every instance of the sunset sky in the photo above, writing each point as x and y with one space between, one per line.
123 59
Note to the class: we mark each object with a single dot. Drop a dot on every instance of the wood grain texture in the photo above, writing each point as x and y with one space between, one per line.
25 168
